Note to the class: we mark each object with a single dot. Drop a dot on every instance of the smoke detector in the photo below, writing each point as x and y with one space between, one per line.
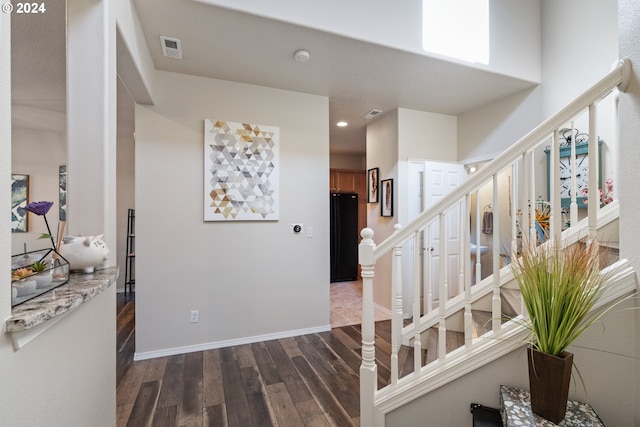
302 55
371 114
171 47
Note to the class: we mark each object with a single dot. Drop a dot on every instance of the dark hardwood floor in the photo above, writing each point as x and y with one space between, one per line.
310 380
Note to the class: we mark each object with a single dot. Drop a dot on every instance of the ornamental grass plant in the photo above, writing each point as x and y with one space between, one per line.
560 288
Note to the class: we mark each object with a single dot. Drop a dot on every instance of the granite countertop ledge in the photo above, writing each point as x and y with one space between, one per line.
81 287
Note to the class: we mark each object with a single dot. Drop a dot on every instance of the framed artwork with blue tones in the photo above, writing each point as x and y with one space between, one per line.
62 180
19 201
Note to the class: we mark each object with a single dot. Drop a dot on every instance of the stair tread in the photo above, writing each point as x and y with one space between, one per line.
511 302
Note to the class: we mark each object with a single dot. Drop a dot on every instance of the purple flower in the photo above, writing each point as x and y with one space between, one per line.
39 208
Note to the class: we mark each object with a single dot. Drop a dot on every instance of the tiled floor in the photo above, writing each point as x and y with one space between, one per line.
346 304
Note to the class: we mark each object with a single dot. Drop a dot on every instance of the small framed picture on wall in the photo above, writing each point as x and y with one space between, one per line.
19 201
386 188
372 184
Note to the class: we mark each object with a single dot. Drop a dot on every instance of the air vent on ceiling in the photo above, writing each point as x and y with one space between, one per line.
171 47
371 114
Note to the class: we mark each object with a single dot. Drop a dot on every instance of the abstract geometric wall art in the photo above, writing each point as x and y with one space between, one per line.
241 171
19 201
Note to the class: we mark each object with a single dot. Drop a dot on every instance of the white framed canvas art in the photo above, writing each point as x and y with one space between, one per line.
241 171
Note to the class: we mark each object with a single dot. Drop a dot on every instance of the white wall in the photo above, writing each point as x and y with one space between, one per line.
422 135
629 191
247 279
567 71
574 59
135 66
393 140
5 165
125 175
485 132
382 153
347 161
515 47
66 376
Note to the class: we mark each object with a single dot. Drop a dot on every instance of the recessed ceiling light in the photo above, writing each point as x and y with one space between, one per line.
302 55
342 124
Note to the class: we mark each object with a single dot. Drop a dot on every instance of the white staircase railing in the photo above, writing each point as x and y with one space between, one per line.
456 293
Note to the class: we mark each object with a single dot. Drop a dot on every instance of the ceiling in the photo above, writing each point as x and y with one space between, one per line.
226 44
356 76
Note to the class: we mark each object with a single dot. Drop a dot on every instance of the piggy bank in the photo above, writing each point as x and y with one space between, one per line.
84 252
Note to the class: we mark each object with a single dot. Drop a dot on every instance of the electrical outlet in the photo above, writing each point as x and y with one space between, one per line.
296 228
194 316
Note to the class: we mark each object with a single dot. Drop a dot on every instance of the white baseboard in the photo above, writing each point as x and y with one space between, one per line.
228 343
383 309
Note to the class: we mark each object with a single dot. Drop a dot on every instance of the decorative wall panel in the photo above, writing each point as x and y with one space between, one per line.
241 171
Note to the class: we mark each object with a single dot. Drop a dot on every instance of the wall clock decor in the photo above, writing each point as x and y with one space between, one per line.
582 168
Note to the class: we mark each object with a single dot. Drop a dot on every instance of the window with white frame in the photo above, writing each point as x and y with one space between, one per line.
457 29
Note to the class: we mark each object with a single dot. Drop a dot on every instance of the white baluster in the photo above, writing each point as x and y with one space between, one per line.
555 220
477 276
532 197
396 320
444 291
417 338
573 209
465 277
496 306
368 368
594 201
515 196
428 276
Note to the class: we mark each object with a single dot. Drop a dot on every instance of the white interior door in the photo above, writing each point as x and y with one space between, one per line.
440 180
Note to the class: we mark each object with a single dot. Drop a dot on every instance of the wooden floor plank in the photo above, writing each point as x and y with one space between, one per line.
245 357
321 393
350 357
165 417
155 369
129 386
346 339
312 414
190 410
261 412
290 346
238 413
215 416
172 382
284 409
289 374
123 412
213 393
337 380
143 410
268 369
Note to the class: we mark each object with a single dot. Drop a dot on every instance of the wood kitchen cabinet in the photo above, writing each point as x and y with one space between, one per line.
351 181
348 181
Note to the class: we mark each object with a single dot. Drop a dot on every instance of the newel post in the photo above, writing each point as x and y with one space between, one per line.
368 368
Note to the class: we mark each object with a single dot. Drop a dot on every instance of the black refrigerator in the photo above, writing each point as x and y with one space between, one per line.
344 237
